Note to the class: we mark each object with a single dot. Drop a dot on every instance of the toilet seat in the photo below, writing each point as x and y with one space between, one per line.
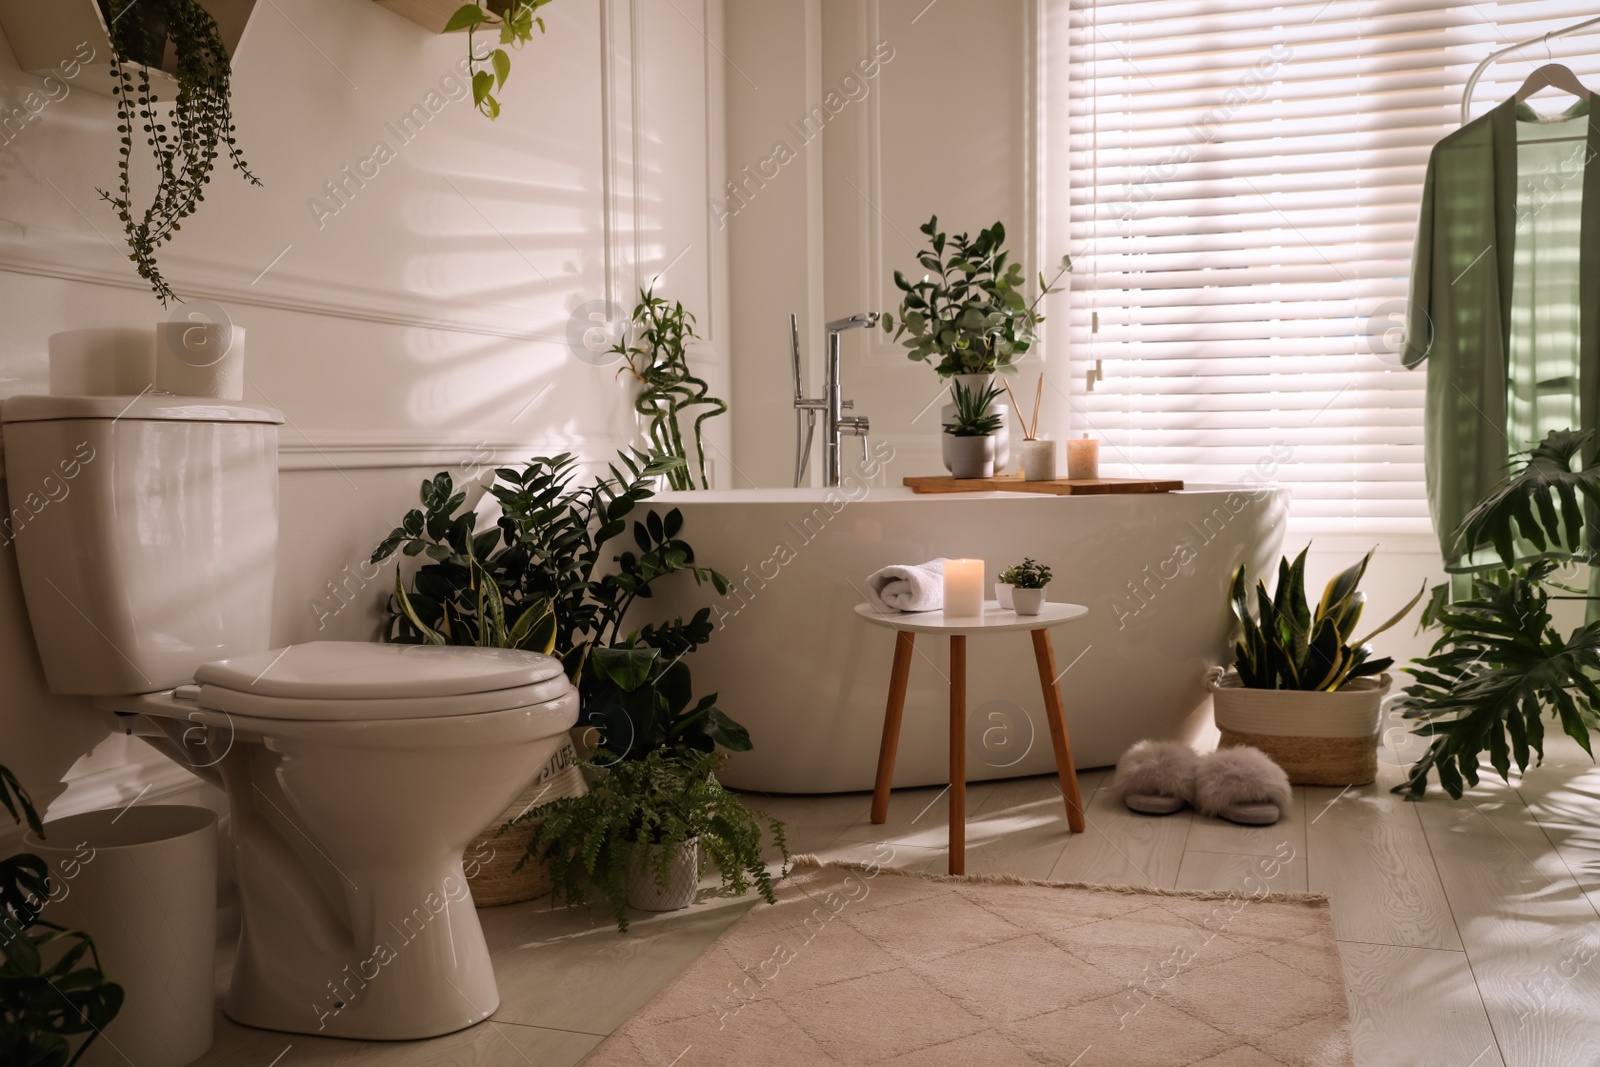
336 681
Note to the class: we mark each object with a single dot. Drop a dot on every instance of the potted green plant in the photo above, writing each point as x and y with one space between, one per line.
1300 689
657 357
1500 665
968 315
970 433
186 143
52 988
545 578
1026 581
514 20
644 831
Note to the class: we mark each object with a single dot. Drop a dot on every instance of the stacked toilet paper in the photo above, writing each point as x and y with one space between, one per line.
183 357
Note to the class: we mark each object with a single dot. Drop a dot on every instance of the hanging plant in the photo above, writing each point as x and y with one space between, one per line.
659 359
185 144
516 20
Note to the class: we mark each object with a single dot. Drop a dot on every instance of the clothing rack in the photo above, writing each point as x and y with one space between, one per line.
1472 82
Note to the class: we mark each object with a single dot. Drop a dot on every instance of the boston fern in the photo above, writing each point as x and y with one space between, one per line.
658 358
52 987
186 144
1290 647
1500 664
662 800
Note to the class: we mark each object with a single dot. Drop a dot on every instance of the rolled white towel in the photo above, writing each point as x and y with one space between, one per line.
908 587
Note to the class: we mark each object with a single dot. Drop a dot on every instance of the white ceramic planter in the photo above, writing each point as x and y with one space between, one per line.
647 894
1027 601
1002 595
1317 738
143 883
970 457
1002 439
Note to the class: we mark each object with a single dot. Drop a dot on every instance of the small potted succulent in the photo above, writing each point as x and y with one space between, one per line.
970 437
645 831
1026 581
1301 690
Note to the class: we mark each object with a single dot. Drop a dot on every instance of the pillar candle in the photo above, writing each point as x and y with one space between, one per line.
1083 457
963 588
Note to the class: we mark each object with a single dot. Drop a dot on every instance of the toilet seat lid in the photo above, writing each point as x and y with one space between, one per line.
358 670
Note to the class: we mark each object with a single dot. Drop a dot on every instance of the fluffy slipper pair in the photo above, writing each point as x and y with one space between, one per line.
1240 784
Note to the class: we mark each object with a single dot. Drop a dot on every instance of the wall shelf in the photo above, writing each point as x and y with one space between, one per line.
46 36
433 15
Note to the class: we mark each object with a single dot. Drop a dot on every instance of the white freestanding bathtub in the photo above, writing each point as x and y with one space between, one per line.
809 679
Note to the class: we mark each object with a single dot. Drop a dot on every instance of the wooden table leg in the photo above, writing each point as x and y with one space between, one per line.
958 754
903 641
1045 655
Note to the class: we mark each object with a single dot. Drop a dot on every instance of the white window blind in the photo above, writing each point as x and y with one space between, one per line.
1244 181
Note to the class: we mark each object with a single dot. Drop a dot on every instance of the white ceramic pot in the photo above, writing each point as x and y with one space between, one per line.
1027 601
646 893
1002 594
1002 439
1039 460
143 883
1317 738
970 457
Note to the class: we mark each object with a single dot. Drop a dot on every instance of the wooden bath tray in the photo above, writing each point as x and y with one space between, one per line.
1056 487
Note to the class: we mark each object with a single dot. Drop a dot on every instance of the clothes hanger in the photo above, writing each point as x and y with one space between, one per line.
1552 76
1489 60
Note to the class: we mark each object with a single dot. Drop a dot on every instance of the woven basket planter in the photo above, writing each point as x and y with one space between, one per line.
1317 738
492 857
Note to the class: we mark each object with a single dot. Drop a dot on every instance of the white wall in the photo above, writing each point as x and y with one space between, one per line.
423 326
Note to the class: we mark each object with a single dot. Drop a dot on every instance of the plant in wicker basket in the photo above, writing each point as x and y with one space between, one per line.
1290 647
661 800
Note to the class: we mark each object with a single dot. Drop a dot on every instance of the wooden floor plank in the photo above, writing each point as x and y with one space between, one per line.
1367 851
1021 829
1528 928
1243 873
1415 1007
1120 847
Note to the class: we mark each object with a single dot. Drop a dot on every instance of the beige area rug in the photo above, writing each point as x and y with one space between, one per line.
869 965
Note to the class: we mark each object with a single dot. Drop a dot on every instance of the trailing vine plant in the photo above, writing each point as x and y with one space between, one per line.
186 144
516 20
658 358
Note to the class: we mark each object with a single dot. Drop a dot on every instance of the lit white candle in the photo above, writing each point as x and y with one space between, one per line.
963 587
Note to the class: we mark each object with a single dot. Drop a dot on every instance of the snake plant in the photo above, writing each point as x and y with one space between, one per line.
658 358
1291 647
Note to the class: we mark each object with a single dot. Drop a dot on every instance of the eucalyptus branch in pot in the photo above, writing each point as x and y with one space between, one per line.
185 144
657 356
968 312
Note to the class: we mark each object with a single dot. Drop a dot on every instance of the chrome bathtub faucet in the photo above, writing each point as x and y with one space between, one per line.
836 424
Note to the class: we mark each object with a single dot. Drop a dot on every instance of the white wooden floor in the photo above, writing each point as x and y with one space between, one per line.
1469 930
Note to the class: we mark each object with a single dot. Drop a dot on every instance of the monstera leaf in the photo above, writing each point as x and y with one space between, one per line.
1540 502
1499 667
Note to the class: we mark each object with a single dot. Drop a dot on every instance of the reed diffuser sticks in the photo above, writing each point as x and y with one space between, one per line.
1030 430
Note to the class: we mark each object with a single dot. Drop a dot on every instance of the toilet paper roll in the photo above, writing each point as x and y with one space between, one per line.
102 362
200 359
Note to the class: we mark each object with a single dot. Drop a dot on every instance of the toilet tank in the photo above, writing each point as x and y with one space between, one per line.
146 534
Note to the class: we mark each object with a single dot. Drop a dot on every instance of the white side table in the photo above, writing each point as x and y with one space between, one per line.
995 619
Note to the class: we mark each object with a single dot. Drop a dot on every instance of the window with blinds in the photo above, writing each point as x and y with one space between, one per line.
1243 183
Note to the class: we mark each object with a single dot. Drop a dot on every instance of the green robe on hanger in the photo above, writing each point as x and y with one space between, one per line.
1459 317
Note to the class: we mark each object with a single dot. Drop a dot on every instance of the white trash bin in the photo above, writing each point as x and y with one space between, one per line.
142 881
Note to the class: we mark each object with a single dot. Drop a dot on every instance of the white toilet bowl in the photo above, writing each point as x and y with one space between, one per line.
356 775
